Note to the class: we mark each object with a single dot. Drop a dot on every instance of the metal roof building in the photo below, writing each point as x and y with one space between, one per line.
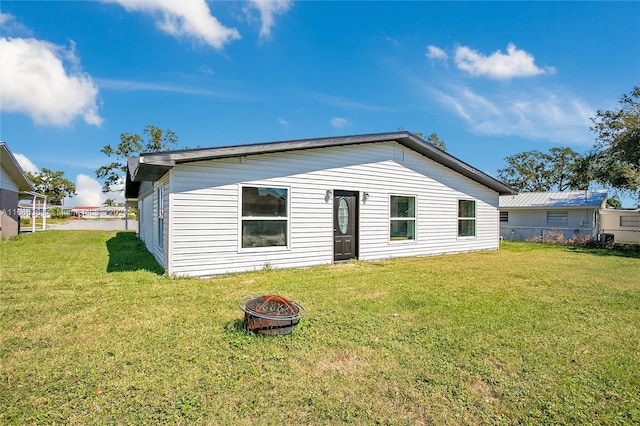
546 200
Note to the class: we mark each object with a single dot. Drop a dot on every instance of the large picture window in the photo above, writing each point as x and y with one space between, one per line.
265 221
466 218
403 218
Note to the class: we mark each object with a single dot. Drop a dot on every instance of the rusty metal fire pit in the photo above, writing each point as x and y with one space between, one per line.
270 314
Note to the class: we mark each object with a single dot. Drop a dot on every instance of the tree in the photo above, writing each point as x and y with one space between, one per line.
616 154
131 145
527 171
614 203
433 139
52 184
569 170
533 171
109 202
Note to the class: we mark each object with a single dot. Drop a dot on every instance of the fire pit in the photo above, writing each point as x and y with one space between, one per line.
270 314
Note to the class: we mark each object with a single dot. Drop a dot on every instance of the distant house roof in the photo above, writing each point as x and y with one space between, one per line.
152 166
14 170
566 199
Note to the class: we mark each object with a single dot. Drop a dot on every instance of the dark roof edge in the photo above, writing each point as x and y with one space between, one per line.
151 166
18 171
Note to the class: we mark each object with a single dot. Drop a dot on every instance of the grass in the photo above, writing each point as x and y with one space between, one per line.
91 332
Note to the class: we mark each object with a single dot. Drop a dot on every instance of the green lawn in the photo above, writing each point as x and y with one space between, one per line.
91 332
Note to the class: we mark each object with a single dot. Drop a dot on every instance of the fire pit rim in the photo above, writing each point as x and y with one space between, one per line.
242 305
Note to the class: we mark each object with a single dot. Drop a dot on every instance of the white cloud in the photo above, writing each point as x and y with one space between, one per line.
283 122
189 19
34 81
435 53
543 115
9 25
515 63
338 122
268 9
206 70
26 164
89 193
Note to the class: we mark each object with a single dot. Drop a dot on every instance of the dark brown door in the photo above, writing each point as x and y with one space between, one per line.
345 225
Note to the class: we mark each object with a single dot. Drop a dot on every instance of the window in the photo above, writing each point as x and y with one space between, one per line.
504 216
264 217
466 218
557 218
403 218
633 221
160 201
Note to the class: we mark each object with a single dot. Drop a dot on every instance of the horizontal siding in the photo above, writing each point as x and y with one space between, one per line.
204 207
6 181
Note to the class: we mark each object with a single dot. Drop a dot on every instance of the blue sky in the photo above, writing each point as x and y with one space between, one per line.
491 79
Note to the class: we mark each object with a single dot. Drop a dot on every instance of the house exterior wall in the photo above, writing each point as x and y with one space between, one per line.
6 182
203 201
623 224
9 218
527 224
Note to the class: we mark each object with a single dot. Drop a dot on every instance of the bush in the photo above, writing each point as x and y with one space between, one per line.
25 221
582 240
57 213
551 237
556 237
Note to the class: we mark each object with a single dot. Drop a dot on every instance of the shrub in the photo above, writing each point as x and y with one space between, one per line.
25 221
582 240
57 213
551 237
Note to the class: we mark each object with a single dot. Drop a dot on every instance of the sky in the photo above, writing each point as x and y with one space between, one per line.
491 79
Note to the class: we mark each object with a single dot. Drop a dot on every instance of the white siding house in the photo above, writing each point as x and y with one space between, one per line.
300 203
530 215
14 185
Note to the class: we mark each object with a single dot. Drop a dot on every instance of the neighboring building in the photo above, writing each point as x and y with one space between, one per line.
14 185
95 212
533 215
624 224
300 203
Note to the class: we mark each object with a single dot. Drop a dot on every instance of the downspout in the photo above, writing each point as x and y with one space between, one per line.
33 214
44 214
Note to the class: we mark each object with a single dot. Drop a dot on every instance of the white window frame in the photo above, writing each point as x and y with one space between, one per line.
504 217
474 219
399 240
242 218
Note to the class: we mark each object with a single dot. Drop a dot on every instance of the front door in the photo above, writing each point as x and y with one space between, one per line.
345 225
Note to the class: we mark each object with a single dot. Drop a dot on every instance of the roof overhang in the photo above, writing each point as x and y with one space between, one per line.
13 169
152 166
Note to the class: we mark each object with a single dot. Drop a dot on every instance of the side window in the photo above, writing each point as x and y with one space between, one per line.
557 218
265 221
466 218
402 218
630 221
